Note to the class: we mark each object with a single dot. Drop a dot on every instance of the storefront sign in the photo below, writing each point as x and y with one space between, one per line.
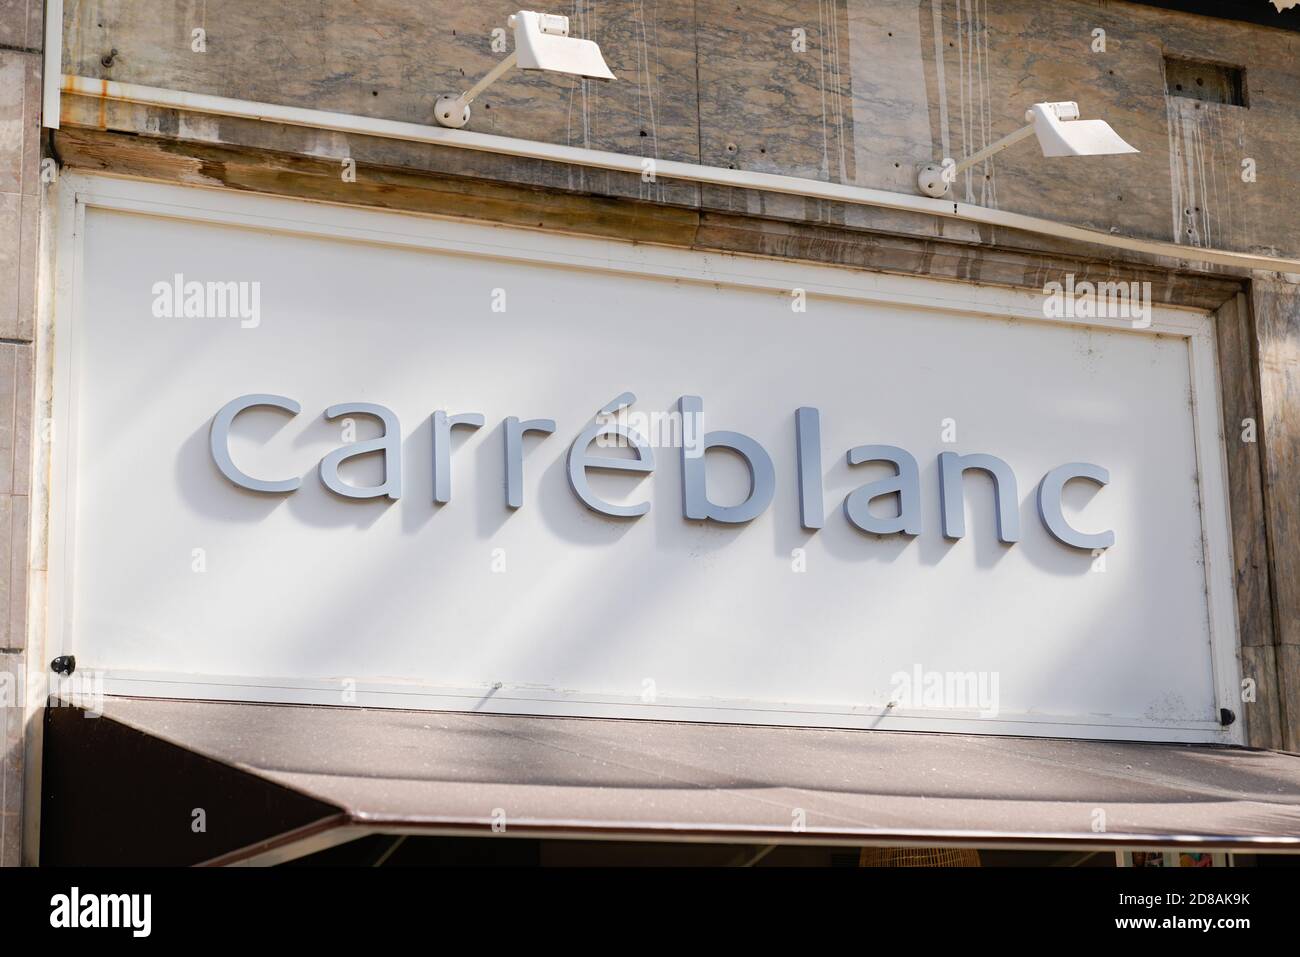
904 486
461 467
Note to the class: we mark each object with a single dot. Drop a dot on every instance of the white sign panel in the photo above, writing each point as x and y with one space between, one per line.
262 558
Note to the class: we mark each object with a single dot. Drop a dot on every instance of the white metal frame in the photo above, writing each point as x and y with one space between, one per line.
77 192
293 847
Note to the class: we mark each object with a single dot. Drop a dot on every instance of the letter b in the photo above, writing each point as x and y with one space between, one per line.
695 497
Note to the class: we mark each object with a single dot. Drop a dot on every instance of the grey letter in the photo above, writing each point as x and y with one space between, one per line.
515 455
906 484
580 461
695 498
953 504
219 440
808 438
390 444
442 426
1049 504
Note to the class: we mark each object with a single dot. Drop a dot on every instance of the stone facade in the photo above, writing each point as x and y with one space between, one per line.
21 40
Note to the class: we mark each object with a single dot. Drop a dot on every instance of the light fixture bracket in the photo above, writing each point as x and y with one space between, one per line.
542 42
1059 130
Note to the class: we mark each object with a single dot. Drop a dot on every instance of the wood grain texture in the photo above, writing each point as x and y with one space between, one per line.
409 190
1288 677
1239 398
1241 427
1265 727
1276 307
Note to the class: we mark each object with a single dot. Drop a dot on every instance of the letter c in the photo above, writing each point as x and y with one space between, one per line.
1049 504
219 440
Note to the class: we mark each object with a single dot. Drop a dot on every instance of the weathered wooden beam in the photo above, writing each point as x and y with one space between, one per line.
321 180
1276 306
943 258
1261 704
912 252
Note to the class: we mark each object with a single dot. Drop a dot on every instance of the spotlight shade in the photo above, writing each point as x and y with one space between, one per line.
1067 136
542 42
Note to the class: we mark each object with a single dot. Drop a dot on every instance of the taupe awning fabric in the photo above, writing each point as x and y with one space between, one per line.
348 771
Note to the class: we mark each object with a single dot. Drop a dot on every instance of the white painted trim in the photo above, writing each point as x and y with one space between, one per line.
52 71
550 703
70 220
1216 522
668 169
78 191
714 833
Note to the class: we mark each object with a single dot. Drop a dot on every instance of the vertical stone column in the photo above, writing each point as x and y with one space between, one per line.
21 43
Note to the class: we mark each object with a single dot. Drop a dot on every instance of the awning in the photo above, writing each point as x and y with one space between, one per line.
274 782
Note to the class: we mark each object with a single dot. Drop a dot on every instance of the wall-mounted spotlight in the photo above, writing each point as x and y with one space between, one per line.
1059 130
542 42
